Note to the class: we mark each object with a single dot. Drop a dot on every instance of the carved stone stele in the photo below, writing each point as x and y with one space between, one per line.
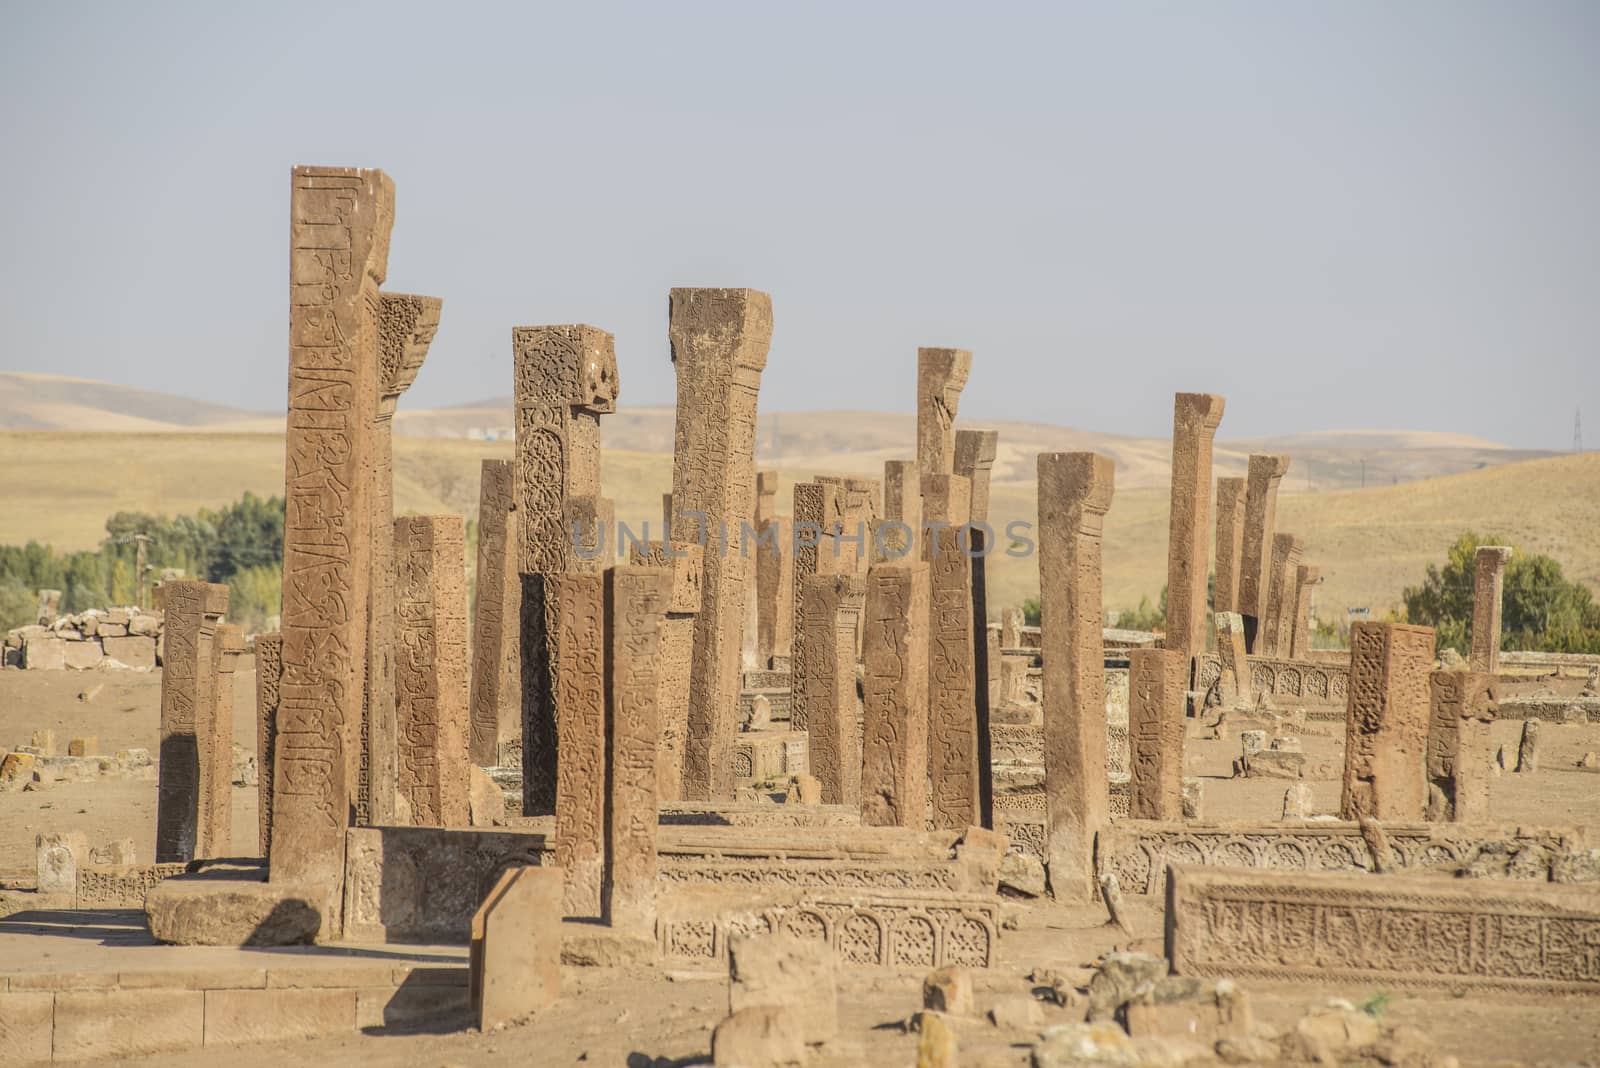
496 702
1488 576
1230 543
1255 552
830 605
1277 620
941 376
894 788
1386 721
1195 419
188 793
1157 685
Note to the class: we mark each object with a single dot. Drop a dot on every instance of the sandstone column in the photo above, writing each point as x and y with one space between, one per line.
269 673
186 792
339 250
774 574
954 779
831 604
496 702
1488 576
974 460
431 669
1195 419
1234 678
565 379
406 327
215 837
816 518
894 763
577 607
1157 685
1255 553
719 348
1386 722
674 652
1075 492
902 512
1462 707
1305 579
636 602
1230 544
1276 623
941 376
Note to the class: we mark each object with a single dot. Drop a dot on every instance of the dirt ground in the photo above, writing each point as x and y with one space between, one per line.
651 1018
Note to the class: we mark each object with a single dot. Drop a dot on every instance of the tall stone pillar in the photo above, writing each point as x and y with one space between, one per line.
1233 680
719 348
565 379
339 252
1386 722
636 602
577 606
1276 628
1157 685
817 507
1463 705
187 797
674 652
496 703
406 327
1255 553
215 838
974 460
902 513
894 784
1075 490
1230 544
269 674
1488 576
1306 579
1195 418
774 566
831 605
954 778
941 376
431 687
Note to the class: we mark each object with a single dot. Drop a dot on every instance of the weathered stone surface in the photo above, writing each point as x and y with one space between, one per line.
1120 977
577 609
44 654
565 378
1276 624
897 536
1202 1009
941 376
954 783
949 990
974 459
123 886
82 656
1297 802
781 969
340 220
1528 747
1438 933
486 803
515 959
1386 722
99 1024
431 688
1306 580
223 909
1255 552
636 603
719 348
1195 419
1156 695
817 509
27 1025
135 652
774 573
1488 577
1230 501
894 789
1075 491
59 855
761 1036
831 604
496 698
1077 1044
674 657
236 1016
269 676
190 791
1233 681
88 745
1462 705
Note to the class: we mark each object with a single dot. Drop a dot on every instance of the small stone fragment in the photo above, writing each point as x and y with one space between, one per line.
948 990
760 1036
1023 873
936 1043
1016 1012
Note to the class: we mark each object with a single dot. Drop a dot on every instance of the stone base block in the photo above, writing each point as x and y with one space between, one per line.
225 909
135 652
95 1024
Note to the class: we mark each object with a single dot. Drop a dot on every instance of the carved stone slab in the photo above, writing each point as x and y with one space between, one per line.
900 931
121 888
1416 932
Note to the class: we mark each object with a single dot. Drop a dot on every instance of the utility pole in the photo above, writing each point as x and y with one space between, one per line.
1577 430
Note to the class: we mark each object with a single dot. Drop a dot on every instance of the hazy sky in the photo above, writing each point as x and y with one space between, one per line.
1342 214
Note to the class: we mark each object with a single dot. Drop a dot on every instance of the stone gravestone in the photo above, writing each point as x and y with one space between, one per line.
1234 678
1488 577
774 566
830 605
566 379
974 460
902 513
1075 491
269 674
817 509
1306 579
1463 704
1386 722
719 349
215 822
187 790
576 603
496 698
1195 419
686 563
941 376
894 789
637 599
340 223
431 669
1255 551
1277 621
1157 688
1230 543
515 953
954 783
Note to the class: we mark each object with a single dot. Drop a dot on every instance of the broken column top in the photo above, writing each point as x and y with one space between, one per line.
717 316
331 204
941 376
407 324
574 364
1086 479
686 562
1503 552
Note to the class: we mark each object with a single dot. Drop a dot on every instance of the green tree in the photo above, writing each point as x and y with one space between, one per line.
1541 609
1031 612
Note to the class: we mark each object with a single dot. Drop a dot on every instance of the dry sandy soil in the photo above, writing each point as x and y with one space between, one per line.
649 1018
